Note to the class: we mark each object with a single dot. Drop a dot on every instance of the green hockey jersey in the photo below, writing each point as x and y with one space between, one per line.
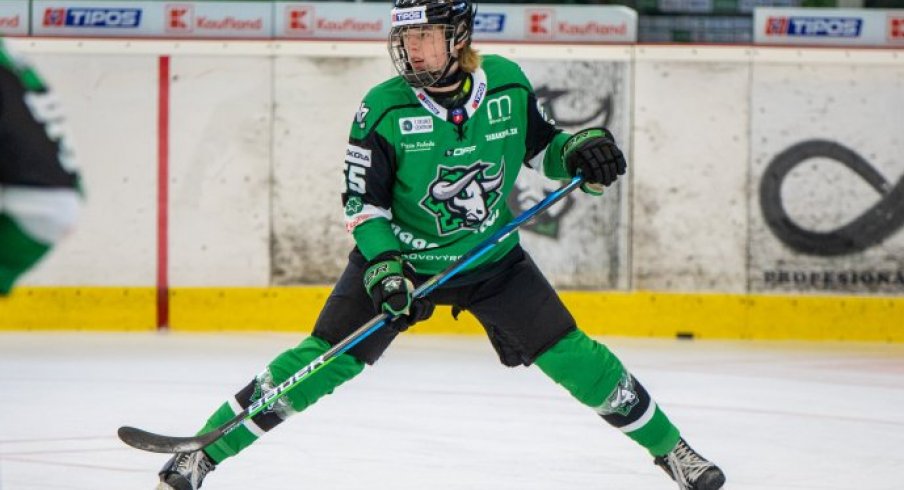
26 75
37 177
432 182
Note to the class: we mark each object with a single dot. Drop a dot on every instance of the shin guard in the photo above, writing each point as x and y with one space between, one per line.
596 377
317 385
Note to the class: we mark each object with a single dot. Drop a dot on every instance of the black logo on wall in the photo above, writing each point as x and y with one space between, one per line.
876 224
525 195
554 100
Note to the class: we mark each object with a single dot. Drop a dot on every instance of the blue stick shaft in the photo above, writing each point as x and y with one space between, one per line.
164 444
382 319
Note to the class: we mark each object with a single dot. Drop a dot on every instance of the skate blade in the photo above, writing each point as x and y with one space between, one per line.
164 486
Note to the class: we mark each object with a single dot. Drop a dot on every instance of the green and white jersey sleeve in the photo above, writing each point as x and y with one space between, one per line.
22 70
430 182
39 200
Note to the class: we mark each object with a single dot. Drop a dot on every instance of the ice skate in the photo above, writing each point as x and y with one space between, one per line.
690 470
185 471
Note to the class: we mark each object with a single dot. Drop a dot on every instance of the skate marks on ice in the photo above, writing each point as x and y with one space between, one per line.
439 412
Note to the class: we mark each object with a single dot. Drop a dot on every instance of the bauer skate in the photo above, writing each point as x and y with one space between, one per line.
185 471
690 470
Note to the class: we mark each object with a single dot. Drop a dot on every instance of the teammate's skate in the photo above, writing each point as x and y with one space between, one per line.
185 471
690 470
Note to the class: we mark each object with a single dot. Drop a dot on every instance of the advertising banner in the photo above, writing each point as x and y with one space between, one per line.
535 23
97 18
553 23
331 20
13 18
218 19
152 19
304 20
895 24
827 189
823 26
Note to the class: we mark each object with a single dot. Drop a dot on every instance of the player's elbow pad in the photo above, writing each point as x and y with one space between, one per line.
45 214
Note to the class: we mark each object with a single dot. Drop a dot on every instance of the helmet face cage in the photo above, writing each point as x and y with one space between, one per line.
400 56
411 18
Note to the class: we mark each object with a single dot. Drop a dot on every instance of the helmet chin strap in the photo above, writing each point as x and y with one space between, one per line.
450 77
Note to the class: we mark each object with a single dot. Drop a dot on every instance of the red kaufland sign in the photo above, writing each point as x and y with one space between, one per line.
896 28
494 22
328 21
204 19
179 17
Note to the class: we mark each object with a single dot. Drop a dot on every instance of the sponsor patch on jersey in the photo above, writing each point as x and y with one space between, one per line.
480 92
501 134
499 109
418 146
361 115
414 125
457 152
357 155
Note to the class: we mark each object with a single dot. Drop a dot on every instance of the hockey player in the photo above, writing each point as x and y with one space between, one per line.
432 156
39 200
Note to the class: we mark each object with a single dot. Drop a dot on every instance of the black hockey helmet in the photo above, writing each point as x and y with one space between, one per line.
457 19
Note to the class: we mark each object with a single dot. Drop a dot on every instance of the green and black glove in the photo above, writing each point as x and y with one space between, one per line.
389 281
593 153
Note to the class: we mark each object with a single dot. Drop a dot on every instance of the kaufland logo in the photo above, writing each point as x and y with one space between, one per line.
179 18
540 22
11 22
91 17
300 20
814 26
593 28
896 29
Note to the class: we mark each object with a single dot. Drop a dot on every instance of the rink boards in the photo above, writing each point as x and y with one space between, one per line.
294 309
213 171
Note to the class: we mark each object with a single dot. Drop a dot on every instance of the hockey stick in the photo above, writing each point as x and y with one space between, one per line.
157 443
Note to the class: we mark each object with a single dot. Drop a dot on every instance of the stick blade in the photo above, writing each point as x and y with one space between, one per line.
156 443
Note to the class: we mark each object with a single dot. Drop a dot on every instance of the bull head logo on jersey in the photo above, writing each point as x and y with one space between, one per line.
463 197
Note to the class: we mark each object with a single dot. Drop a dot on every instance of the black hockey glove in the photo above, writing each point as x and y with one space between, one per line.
389 281
593 153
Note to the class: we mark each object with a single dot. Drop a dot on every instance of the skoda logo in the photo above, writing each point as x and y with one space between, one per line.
407 126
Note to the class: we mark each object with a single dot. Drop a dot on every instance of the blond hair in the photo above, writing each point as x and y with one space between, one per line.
469 59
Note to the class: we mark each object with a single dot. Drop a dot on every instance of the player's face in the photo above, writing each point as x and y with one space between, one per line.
426 47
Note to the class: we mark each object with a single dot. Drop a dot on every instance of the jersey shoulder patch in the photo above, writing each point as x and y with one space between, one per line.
378 101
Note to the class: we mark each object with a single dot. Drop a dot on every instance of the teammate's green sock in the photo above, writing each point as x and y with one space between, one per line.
18 254
595 376
315 386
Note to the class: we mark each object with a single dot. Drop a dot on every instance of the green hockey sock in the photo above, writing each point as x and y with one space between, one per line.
321 382
595 376
18 252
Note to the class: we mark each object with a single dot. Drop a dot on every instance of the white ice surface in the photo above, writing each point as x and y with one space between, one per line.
441 413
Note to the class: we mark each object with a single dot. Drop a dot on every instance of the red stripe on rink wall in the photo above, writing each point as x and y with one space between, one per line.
163 193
